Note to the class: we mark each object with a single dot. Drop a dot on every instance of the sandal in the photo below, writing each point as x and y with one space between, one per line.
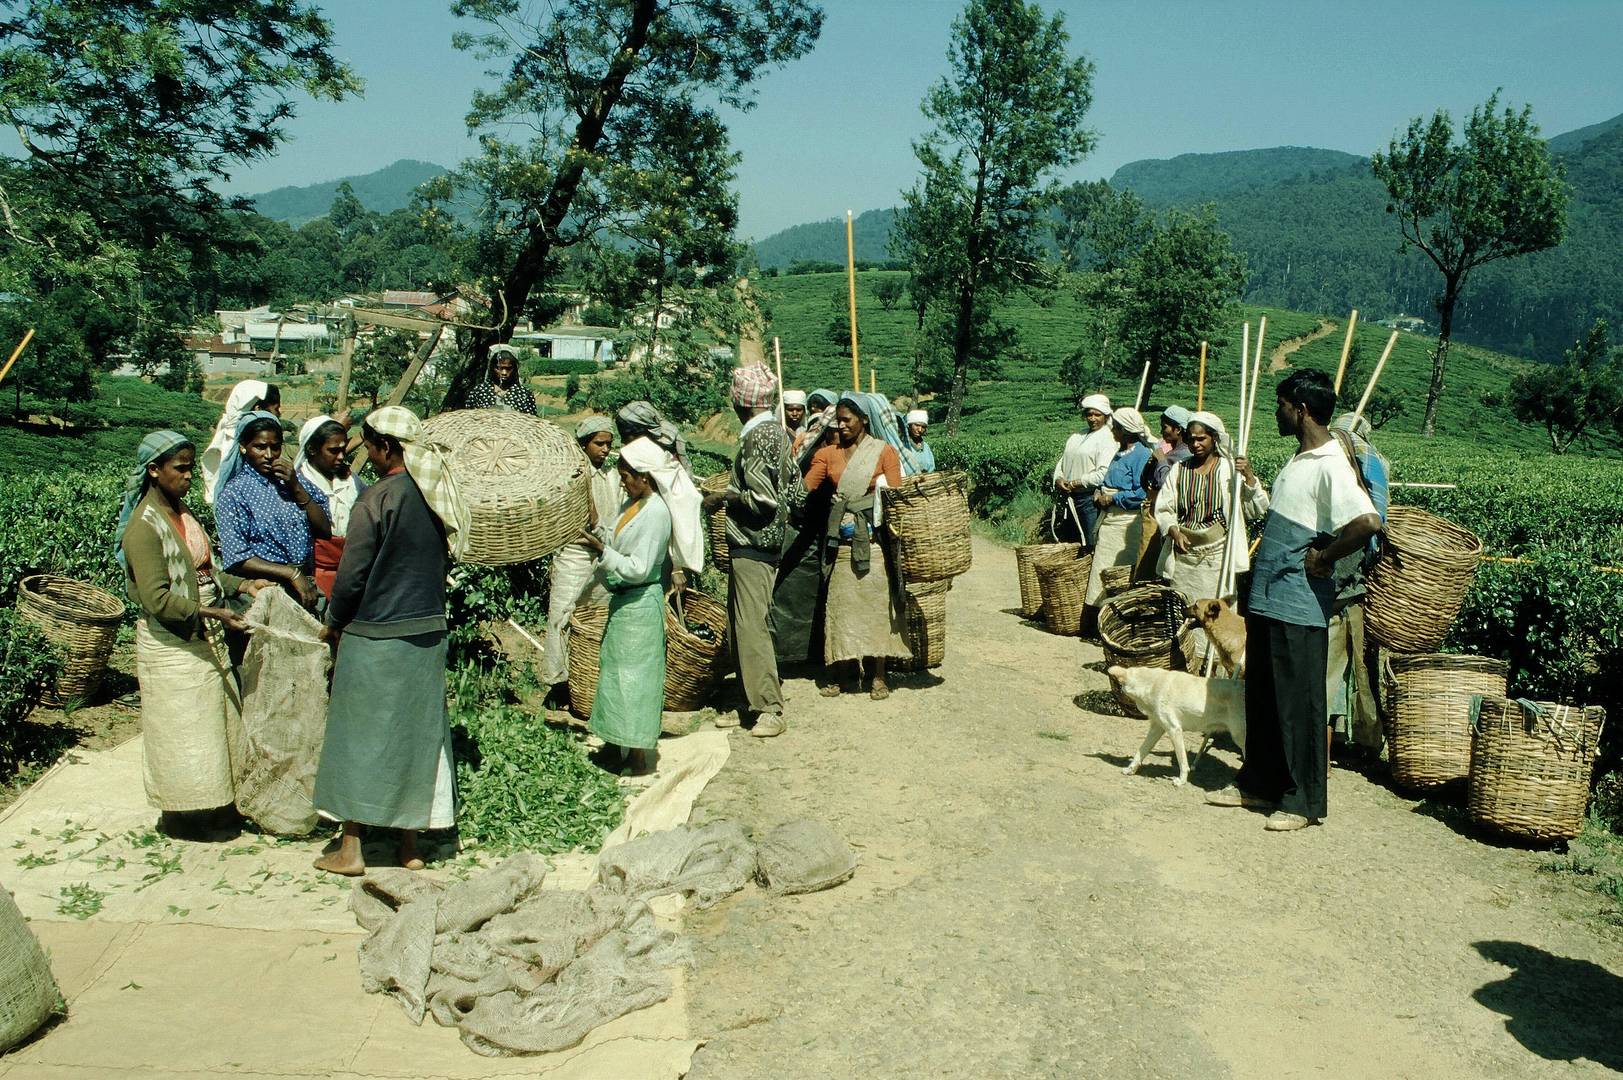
879 692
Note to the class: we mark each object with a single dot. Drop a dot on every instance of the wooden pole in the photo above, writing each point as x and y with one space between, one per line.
1226 571
345 356
1200 387
18 351
1346 349
777 361
1374 377
851 288
1245 359
1143 381
1256 377
873 380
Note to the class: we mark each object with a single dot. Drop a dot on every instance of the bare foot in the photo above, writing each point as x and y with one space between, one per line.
831 690
408 852
345 865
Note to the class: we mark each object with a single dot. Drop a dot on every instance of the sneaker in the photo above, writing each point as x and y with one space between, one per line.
767 725
1284 821
1233 796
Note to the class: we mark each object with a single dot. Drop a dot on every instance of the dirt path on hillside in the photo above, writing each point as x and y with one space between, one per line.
1281 357
1023 909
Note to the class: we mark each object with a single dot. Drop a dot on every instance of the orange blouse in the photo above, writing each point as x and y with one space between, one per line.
828 466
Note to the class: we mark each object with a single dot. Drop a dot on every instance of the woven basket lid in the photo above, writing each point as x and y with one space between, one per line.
526 482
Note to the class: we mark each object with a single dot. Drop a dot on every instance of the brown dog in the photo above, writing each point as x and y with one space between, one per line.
1225 630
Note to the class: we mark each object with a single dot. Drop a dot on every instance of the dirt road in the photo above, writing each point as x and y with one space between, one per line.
1023 909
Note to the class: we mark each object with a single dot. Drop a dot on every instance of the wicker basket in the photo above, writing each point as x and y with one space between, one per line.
928 517
526 482
80 620
1062 581
720 551
1146 627
1415 589
1530 771
28 992
1115 580
924 627
1025 563
693 666
1428 714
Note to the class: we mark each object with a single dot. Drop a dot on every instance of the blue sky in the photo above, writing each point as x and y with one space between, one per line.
1172 76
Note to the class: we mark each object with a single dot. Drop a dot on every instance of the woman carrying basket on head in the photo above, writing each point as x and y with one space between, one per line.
656 532
863 620
386 761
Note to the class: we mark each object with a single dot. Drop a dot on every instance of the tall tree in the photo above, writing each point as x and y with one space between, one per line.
127 113
1006 117
1098 230
600 83
1495 194
1579 398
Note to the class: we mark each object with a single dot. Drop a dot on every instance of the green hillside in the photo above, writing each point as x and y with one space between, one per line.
824 241
1029 395
1197 177
389 188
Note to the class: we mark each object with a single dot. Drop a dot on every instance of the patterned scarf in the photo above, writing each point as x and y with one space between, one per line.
425 461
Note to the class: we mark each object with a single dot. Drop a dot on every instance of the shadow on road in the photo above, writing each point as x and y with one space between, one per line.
1560 1009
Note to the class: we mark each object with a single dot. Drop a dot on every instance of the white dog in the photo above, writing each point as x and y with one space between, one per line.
1176 702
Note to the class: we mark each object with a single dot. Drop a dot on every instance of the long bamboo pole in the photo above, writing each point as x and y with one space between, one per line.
1256 377
1245 360
851 288
1143 381
777 361
18 351
873 380
1374 377
1227 571
1346 349
1200 387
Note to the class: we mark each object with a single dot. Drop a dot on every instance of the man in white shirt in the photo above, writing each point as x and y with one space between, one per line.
1318 513
1079 472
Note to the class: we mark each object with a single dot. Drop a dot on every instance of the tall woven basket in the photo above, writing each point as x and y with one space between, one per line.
82 621
928 518
27 988
716 527
1146 627
1428 714
924 627
694 663
526 482
1415 589
1025 564
1062 582
1114 580
1531 769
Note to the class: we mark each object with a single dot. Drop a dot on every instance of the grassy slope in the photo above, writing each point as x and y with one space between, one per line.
128 407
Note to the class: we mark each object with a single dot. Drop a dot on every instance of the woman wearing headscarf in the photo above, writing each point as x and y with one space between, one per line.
639 419
322 467
502 388
1119 498
917 457
656 530
386 761
810 434
249 395
268 521
1168 452
574 568
1194 507
1078 473
863 620
190 709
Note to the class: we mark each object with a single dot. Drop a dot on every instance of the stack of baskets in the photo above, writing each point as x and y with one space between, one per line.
526 482
928 518
1026 558
82 621
1146 626
720 552
1062 583
695 653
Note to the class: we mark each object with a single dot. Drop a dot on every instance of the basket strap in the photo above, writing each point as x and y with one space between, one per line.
1476 706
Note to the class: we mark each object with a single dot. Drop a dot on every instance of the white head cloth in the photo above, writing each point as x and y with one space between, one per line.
341 494
1129 420
1214 424
1096 402
794 397
681 498
425 460
917 416
245 398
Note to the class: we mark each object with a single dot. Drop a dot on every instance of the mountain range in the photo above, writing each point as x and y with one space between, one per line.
389 188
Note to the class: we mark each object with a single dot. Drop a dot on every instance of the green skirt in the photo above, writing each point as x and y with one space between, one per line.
631 669
387 730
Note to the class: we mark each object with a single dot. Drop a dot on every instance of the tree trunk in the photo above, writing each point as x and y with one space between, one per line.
1445 312
531 262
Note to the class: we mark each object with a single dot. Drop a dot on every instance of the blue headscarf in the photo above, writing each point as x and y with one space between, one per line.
156 445
231 462
880 414
828 397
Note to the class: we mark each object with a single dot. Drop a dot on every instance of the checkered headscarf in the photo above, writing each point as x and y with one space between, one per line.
754 387
425 460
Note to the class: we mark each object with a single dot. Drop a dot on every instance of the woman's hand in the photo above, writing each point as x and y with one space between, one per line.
714 501
252 588
679 579
1180 542
282 471
225 617
1244 465
328 635
305 589
1103 497
591 539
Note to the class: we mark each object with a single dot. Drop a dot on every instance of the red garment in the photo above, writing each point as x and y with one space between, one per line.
829 464
327 554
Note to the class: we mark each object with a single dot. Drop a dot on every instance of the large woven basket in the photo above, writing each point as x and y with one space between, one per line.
1025 564
924 626
526 482
82 621
928 517
693 665
1531 770
1415 589
1428 714
720 551
1114 580
1062 582
1146 627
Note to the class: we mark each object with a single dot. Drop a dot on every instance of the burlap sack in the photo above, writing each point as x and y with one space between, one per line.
284 715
